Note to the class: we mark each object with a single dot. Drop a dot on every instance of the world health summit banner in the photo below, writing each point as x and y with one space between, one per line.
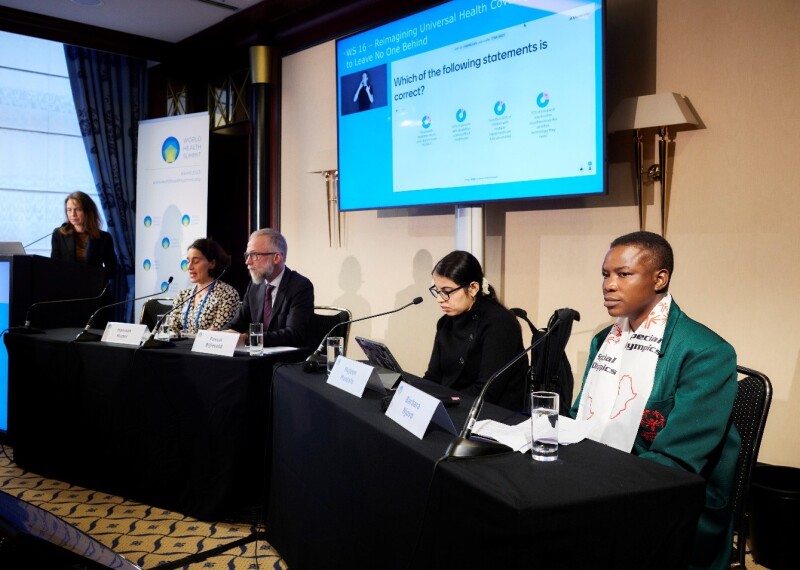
171 201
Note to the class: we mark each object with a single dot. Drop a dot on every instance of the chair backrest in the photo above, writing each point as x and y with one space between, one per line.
151 309
550 369
323 320
750 409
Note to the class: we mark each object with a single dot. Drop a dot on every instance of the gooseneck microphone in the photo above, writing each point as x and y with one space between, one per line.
86 336
463 447
28 329
316 361
153 342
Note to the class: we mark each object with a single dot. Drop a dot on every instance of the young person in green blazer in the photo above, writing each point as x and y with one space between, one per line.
674 378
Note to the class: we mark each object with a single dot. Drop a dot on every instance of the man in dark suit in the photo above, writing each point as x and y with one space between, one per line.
280 298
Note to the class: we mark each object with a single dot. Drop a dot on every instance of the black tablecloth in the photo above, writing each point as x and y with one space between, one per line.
171 428
352 489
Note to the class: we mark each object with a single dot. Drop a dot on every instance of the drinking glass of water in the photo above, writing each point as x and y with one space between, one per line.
335 346
544 426
256 339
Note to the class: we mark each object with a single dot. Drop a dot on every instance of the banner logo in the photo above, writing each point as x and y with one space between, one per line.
146 264
170 150
148 221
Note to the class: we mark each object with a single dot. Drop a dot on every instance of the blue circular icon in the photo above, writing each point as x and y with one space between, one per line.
148 221
542 100
461 115
499 108
426 122
147 265
185 220
164 286
165 243
170 149
184 265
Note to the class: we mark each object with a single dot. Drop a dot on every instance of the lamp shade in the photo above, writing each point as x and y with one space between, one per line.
647 111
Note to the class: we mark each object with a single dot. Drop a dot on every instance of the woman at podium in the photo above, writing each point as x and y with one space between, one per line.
80 238
209 303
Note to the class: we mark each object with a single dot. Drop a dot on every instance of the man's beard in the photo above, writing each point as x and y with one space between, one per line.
257 276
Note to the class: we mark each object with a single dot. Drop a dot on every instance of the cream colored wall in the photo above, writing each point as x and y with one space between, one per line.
734 202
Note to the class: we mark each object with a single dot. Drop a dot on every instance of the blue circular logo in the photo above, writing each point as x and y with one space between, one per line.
185 220
184 265
164 286
148 221
542 100
170 149
499 108
461 115
147 265
426 122
165 243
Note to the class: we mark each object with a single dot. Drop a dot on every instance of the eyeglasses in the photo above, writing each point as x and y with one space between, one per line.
445 295
254 255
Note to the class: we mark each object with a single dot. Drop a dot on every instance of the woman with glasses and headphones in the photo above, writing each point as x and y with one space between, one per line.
476 336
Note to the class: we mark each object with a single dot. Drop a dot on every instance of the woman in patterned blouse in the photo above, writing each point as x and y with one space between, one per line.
212 304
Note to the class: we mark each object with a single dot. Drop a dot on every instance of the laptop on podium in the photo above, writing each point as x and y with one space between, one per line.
379 356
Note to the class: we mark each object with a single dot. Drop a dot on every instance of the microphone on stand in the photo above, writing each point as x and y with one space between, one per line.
316 361
28 329
86 336
462 447
153 342
37 240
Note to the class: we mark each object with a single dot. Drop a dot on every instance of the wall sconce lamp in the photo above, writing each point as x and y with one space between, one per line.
660 111
325 163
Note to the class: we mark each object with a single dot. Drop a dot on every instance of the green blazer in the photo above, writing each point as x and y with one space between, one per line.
687 424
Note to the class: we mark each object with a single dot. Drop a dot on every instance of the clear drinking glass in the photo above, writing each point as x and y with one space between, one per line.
544 426
256 339
163 322
335 350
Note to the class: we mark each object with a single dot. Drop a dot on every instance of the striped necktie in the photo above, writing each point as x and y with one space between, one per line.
267 306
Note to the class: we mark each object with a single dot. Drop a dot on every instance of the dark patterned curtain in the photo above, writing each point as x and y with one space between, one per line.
110 96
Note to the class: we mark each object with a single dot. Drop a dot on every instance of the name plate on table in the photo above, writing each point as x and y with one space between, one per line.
415 410
215 342
124 333
353 376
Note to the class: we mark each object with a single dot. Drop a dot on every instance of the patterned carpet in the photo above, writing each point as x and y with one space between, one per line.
147 536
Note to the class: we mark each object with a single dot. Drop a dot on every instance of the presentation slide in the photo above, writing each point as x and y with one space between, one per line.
473 102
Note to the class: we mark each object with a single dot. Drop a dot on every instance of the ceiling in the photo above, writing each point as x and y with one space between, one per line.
165 20
195 30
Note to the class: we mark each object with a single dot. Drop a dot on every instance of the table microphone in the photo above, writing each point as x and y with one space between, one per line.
153 342
86 336
463 447
28 329
317 362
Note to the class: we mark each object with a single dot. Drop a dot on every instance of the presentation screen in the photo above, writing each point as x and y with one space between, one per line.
472 102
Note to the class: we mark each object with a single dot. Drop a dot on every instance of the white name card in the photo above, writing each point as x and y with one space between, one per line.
124 333
215 342
415 410
353 376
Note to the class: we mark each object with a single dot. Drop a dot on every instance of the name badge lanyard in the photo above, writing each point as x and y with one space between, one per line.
199 309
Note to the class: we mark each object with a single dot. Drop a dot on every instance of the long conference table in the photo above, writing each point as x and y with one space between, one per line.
352 489
168 427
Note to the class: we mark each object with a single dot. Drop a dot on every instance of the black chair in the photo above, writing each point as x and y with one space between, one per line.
323 320
750 409
151 309
550 369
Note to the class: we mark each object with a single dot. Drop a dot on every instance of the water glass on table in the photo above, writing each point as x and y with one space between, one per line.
256 339
544 426
162 327
335 346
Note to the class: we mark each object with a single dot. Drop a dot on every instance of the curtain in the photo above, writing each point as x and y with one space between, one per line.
110 94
